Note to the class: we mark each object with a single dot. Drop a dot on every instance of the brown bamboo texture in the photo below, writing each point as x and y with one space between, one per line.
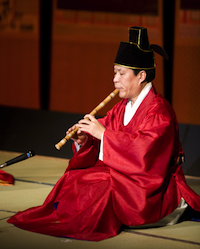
93 112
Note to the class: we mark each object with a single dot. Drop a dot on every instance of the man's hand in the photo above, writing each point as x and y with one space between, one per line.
80 137
92 126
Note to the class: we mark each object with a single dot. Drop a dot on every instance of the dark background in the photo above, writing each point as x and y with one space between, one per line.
39 130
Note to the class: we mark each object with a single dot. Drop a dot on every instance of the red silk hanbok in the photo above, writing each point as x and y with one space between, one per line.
138 181
6 178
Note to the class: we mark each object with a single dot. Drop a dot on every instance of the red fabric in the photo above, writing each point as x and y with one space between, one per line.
135 184
5 178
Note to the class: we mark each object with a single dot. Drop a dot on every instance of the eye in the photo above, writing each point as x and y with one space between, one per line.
119 72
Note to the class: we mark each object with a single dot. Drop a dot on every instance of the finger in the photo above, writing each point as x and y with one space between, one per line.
79 132
71 129
84 128
90 117
84 121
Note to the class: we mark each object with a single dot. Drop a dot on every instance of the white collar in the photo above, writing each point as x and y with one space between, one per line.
131 110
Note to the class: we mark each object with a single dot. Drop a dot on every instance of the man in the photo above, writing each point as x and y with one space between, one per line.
126 167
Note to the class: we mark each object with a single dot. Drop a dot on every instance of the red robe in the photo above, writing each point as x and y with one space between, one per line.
6 179
136 183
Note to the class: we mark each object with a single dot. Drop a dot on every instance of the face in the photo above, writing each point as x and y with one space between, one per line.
128 84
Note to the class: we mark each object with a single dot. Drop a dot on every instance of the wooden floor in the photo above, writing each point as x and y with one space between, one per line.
34 179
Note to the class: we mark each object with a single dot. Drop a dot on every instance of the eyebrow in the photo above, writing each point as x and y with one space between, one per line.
120 69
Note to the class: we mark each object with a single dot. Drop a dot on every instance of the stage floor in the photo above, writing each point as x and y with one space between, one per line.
34 179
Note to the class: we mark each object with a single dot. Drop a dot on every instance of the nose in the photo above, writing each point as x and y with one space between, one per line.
115 78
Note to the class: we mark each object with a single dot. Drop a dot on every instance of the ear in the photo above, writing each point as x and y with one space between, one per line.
142 76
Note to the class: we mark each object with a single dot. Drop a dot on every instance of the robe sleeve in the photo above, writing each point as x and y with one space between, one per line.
6 178
86 156
144 153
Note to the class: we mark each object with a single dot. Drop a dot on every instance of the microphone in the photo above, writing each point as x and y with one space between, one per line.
20 158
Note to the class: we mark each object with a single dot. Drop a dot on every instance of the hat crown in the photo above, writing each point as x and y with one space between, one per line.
139 36
138 53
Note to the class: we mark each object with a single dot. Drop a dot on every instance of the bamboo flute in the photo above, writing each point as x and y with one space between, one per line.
93 112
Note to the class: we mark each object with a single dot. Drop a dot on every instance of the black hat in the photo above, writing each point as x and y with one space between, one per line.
137 53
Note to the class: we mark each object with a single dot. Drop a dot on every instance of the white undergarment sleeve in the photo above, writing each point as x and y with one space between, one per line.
78 146
101 149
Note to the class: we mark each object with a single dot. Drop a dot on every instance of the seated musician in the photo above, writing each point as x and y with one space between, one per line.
126 167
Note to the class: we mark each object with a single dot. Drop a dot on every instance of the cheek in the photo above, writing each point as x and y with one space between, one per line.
128 85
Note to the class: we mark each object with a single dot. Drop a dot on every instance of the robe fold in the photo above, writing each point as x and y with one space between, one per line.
6 179
138 182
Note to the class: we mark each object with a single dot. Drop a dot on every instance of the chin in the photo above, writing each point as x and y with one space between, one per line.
122 96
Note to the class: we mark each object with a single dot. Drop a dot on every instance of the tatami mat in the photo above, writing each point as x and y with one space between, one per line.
35 178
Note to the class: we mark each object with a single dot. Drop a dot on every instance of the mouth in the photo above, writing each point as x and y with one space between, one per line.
119 88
